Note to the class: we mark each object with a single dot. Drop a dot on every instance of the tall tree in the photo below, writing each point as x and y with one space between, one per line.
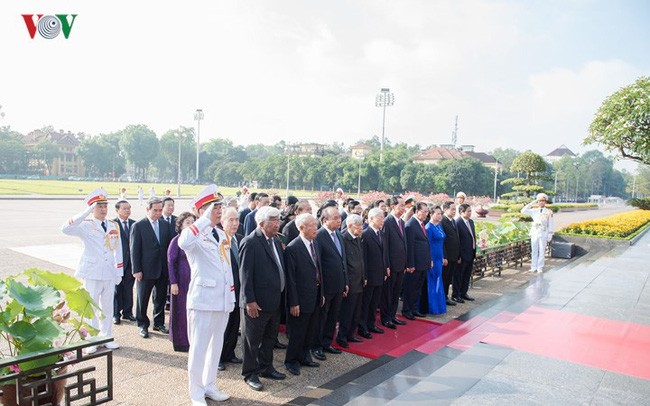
622 122
13 158
140 146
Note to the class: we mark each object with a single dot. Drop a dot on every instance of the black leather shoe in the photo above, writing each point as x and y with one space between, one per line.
409 316
418 314
376 330
221 366
342 344
310 364
451 303
389 324
318 354
332 350
399 322
279 345
130 317
116 320
457 299
294 370
144 333
365 334
273 374
355 340
235 360
467 297
162 329
254 383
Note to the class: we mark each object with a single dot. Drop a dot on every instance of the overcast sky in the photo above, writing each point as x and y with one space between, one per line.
519 74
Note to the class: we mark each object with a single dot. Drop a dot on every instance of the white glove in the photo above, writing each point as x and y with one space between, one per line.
549 237
207 214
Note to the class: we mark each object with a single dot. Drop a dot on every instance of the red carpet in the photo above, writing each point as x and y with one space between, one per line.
611 345
396 342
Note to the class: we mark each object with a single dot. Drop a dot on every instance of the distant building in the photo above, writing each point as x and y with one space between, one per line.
68 163
309 149
559 153
435 155
360 151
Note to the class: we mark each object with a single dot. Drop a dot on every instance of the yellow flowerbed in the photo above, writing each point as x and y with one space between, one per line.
617 225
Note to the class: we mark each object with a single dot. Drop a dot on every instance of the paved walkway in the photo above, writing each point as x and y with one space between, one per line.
575 335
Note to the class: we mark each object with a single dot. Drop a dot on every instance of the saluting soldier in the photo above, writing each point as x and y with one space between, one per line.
100 267
541 231
211 295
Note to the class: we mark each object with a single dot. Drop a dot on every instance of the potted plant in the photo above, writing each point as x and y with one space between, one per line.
41 311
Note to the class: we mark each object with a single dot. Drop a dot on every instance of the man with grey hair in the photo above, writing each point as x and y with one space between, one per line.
304 293
351 306
149 242
335 280
262 282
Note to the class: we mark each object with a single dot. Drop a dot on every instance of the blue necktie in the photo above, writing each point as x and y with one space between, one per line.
156 230
337 243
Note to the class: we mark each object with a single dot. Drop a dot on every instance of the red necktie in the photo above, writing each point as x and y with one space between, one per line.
423 229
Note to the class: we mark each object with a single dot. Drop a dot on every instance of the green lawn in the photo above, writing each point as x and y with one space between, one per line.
81 188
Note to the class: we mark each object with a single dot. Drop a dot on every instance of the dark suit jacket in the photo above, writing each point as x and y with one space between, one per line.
249 222
418 254
259 273
126 249
451 247
354 262
290 231
376 257
334 268
242 218
172 226
303 288
395 245
234 263
467 241
147 254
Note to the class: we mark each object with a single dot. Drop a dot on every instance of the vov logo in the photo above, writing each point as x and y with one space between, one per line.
49 26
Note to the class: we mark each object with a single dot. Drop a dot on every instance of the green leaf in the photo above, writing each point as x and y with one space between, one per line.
80 302
21 331
58 281
36 300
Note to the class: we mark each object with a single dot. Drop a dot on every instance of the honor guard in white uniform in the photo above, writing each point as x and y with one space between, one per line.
100 266
541 231
211 295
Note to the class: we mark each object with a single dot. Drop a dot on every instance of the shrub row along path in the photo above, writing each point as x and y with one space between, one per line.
149 372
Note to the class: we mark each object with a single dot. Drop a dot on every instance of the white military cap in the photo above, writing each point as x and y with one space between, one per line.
97 195
208 195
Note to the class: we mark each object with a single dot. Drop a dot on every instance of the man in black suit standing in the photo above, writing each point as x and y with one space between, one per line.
451 248
351 305
149 242
395 241
467 239
377 271
262 281
123 302
250 224
244 212
335 280
418 260
168 215
290 230
304 293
